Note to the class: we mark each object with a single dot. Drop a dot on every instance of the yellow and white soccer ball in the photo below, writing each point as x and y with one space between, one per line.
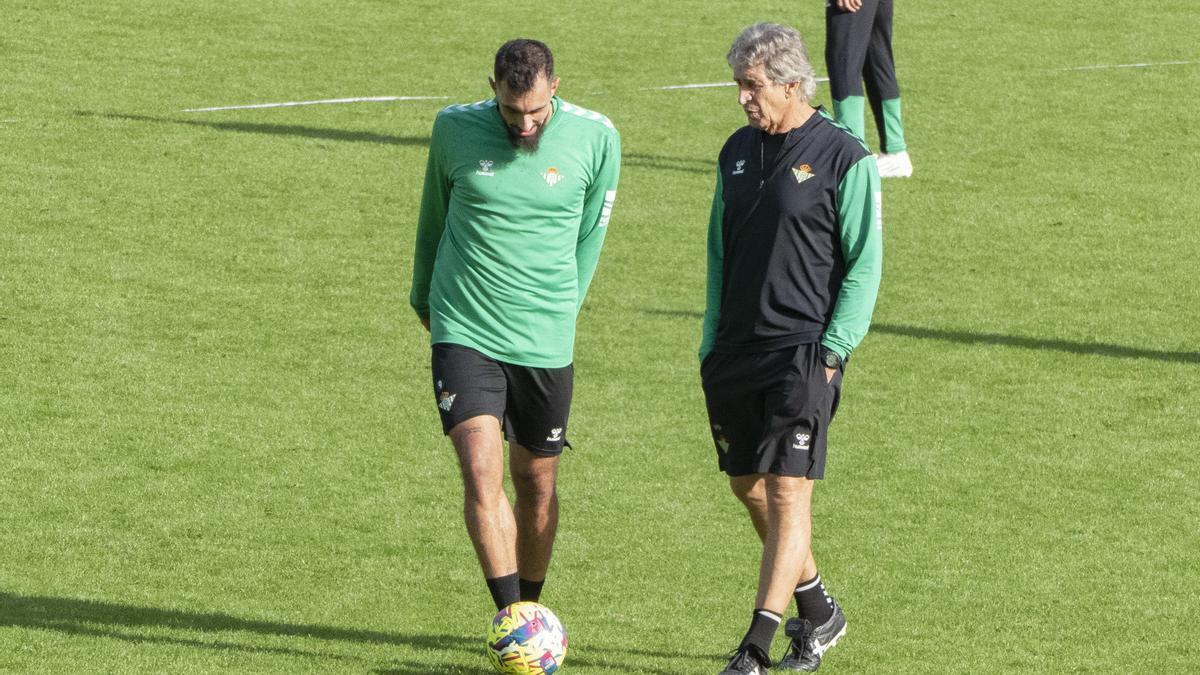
526 638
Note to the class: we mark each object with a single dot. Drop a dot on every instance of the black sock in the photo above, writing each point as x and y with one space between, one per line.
531 590
762 632
505 590
812 602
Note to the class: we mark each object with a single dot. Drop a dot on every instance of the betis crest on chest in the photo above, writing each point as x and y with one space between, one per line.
802 172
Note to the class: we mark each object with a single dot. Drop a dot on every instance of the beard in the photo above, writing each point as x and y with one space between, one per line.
524 143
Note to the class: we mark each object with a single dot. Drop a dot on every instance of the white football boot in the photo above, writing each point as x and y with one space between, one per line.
894 165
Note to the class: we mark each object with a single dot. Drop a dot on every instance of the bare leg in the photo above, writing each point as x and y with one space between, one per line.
788 546
534 479
780 508
810 565
752 492
488 514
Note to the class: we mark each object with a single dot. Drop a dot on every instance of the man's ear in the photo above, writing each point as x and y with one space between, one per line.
492 84
554 85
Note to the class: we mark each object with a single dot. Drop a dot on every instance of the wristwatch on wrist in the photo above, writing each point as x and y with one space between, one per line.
830 358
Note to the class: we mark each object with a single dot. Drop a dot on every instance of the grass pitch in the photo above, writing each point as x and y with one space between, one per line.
218 443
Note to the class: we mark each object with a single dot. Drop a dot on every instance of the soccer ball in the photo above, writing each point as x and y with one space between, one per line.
526 638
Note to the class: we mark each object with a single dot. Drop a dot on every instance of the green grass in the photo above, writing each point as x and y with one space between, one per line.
218 445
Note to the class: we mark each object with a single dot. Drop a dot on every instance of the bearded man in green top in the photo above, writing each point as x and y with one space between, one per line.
518 193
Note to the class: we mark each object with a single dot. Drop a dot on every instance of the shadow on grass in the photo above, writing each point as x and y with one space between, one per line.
1069 346
144 625
675 313
417 668
414 668
964 337
643 161
95 618
274 129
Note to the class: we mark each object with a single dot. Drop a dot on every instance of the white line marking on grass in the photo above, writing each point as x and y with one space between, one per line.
289 104
705 85
363 99
1134 65
691 86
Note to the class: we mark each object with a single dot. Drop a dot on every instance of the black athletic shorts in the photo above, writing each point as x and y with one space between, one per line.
770 411
532 404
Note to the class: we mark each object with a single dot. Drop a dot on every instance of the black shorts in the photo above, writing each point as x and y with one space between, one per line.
532 404
770 411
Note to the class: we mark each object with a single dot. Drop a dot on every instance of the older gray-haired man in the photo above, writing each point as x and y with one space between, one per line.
794 258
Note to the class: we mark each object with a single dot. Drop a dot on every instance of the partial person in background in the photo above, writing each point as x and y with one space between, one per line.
518 193
795 248
858 49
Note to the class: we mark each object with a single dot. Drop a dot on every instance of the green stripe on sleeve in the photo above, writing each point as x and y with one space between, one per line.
860 219
597 208
431 223
716 259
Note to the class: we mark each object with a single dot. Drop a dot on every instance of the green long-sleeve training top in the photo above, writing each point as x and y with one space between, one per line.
508 240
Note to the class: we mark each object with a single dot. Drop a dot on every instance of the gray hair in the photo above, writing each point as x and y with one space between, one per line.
780 50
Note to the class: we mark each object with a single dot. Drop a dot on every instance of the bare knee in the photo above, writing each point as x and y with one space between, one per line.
754 501
482 487
750 490
534 478
788 492
538 487
480 459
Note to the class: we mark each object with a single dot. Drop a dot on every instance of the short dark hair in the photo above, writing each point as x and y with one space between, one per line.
520 62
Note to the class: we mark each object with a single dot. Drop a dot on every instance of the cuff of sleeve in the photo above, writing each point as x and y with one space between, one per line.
839 349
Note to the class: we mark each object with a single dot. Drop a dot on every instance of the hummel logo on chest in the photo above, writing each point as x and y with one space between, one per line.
485 168
739 168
